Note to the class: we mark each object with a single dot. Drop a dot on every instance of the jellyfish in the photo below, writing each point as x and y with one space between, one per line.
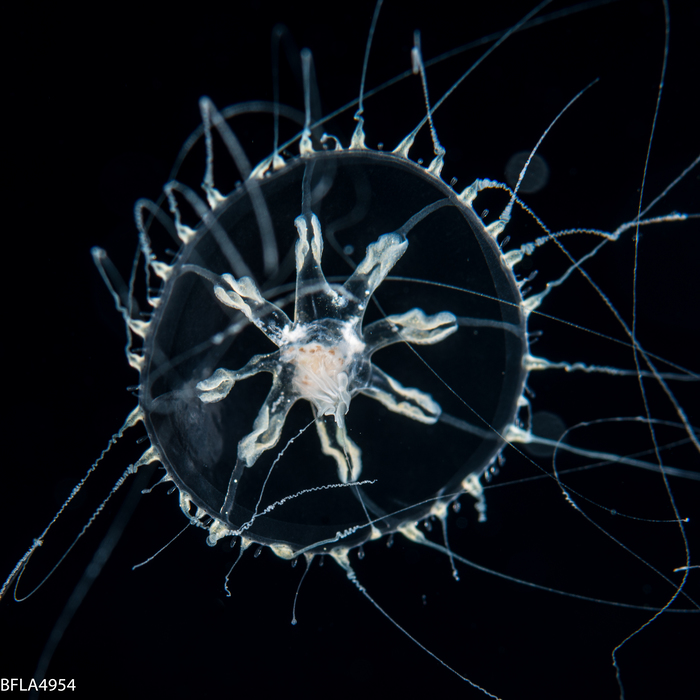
111 138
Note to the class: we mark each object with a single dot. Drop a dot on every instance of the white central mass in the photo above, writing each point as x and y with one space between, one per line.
320 378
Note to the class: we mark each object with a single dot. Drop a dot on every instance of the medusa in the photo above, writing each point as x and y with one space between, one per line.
490 122
324 331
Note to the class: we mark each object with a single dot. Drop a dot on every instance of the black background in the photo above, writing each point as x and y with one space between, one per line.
96 109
